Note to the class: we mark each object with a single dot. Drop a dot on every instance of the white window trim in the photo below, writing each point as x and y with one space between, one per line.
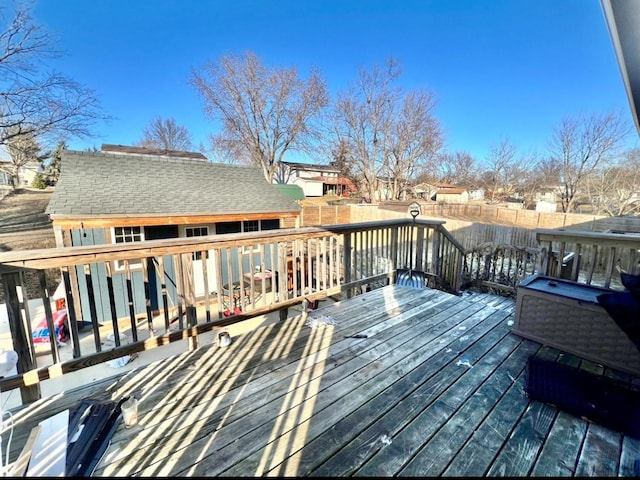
246 250
187 227
119 264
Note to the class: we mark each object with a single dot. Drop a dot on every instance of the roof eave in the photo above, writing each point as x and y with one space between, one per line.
625 39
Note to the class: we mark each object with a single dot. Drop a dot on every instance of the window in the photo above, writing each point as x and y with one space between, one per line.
251 226
247 226
228 227
127 235
270 224
197 232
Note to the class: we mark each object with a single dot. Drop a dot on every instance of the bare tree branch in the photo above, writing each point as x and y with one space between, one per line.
265 112
386 132
44 105
166 134
579 145
612 188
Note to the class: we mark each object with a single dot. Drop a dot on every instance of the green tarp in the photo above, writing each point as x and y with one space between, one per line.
294 192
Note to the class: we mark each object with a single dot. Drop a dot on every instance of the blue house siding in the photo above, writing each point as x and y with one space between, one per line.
94 236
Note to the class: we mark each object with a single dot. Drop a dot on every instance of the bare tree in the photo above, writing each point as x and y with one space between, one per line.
613 189
388 132
502 157
34 103
23 149
458 168
541 176
166 135
265 112
414 138
579 145
362 118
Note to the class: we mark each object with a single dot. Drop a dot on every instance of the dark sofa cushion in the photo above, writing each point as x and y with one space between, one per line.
624 309
631 283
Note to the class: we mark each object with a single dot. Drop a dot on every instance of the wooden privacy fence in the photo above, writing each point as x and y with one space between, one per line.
148 294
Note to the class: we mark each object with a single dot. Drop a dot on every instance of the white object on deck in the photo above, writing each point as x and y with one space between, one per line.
8 361
49 457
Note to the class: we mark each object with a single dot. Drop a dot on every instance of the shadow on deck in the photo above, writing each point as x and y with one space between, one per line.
396 381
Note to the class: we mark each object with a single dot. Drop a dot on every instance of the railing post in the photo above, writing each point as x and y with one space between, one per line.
20 334
70 300
437 252
189 295
546 256
346 262
92 307
394 247
419 231
46 303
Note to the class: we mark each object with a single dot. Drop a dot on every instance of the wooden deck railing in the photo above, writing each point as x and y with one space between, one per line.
148 294
592 258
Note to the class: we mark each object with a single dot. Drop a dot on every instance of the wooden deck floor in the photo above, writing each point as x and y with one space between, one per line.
435 388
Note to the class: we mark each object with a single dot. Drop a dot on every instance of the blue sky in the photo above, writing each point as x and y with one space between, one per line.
497 68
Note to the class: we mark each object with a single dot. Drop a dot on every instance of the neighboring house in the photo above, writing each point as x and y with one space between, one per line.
5 178
26 173
316 180
442 192
429 190
476 194
546 206
547 194
424 191
385 185
105 198
129 150
452 195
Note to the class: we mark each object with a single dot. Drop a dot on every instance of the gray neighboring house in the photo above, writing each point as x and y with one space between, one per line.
106 197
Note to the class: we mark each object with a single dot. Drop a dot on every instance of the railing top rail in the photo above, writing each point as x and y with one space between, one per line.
68 256
587 237
453 241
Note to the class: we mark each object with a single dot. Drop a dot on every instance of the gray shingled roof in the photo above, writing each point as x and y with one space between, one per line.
110 148
98 183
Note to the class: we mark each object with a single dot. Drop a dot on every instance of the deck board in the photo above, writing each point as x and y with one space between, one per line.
600 454
560 452
436 388
481 448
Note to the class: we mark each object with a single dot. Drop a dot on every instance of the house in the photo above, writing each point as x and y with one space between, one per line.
105 197
476 194
385 186
5 178
130 150
546 206
547 194
314 179
452 195
442 192
26 173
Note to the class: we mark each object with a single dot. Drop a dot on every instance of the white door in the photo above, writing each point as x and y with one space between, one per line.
198 277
